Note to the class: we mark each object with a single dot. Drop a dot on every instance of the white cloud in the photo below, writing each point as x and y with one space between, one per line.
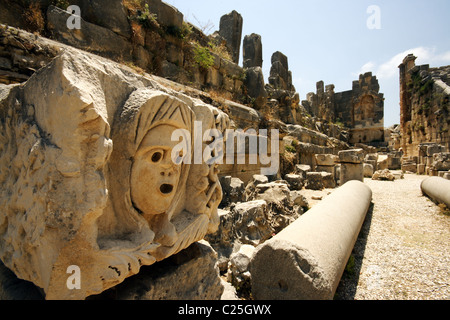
389 69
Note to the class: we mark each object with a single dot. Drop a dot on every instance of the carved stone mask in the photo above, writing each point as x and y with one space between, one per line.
154 176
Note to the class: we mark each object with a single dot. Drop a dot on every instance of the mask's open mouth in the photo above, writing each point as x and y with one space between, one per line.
166 188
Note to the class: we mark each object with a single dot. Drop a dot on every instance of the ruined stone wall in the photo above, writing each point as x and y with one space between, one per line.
153 39
424 104
360 109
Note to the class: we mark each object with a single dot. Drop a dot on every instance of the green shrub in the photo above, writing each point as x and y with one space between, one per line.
203 57
290 149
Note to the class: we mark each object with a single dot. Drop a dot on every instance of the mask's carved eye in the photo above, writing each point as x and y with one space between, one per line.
157 156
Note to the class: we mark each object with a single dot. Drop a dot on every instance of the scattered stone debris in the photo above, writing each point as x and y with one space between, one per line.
383 175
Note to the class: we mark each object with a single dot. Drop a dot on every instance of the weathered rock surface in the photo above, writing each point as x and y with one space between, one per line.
74 171
385 175
231 30
351 156
245 223
192 274
252 49
91 37
106 13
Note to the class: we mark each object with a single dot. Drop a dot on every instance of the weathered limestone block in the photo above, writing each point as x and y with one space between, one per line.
191 274
90 37
254 82
302 169
246 223
299 200
441 161
231 30
383 162
438 189
421 169
328 180
88 178
252 50
278 198
250 189
434 148
326 159
368 170
351 171
328 169
307 259
351 156
394 163
233 189
409 167
383 175
106 13
166 14
238 273
314 181
295 181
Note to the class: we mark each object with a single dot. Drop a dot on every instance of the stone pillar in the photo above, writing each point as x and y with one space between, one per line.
253 55
307 259
280 76
438 189
231 30
254 82
352 167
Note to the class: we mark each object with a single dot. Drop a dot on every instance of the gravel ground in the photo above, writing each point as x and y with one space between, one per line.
403 250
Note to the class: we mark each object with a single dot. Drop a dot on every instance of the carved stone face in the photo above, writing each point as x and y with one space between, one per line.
154 176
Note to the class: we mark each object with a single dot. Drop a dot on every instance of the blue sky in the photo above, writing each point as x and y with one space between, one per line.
330 40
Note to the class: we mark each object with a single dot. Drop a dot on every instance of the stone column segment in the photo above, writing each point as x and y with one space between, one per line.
438 189
307 259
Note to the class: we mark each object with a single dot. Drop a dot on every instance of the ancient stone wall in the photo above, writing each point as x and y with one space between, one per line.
152 38
424 105
360 109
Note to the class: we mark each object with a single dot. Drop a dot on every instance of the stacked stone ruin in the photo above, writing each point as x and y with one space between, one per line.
351 165
432 160
334 139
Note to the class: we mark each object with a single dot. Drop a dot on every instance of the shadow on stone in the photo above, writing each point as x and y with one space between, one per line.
349 281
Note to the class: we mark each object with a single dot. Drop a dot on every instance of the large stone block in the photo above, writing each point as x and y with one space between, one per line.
252 48
368 170
326 159
231 30
435 148
314 181
192 274
351 171
295 181
409 167
441 161
254 82
109 14
166 14
302 169
87 155
351 156
90 37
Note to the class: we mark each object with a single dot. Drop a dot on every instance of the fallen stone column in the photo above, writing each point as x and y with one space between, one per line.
307 259
438 189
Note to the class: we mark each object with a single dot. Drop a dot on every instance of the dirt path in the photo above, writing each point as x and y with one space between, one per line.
403 250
